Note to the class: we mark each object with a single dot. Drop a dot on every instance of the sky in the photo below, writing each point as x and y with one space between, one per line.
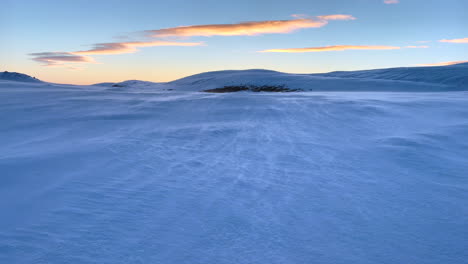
91 41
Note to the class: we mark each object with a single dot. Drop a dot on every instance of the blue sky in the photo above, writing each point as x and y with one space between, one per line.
63 36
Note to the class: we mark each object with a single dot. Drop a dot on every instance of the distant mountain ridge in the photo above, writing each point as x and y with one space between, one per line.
436 78
18 77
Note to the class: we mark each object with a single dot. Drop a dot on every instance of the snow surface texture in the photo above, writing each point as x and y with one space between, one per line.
95 174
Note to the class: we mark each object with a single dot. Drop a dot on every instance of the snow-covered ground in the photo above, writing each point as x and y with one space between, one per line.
99 174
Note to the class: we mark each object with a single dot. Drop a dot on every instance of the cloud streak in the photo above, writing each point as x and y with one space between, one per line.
248 28
64 59
417 47
462 40
336 17
443 63
130 47
390 2
332 48
60 58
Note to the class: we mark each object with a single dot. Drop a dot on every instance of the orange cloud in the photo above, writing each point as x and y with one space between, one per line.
248 28
129 47
443 63
462 40
389 2
331 48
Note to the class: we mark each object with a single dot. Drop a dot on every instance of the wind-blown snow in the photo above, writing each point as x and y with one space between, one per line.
122 175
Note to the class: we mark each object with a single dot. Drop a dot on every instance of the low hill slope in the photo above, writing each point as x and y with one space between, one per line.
453 75
446 78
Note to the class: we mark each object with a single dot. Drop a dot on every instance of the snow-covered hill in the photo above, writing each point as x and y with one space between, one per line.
444 78
128 83
453 75
17 77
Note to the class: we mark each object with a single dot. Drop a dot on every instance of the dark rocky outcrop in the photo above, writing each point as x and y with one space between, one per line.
252 88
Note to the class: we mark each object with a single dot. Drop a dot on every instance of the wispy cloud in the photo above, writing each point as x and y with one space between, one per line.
248 28
332 48
130 47
462 40
342 47
60 58
389 2
443 63
64 59
162 37
337 17
417 47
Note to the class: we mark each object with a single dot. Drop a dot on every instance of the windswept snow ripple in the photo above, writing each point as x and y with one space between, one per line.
96 176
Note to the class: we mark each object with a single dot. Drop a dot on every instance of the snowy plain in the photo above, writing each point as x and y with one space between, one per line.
144 174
